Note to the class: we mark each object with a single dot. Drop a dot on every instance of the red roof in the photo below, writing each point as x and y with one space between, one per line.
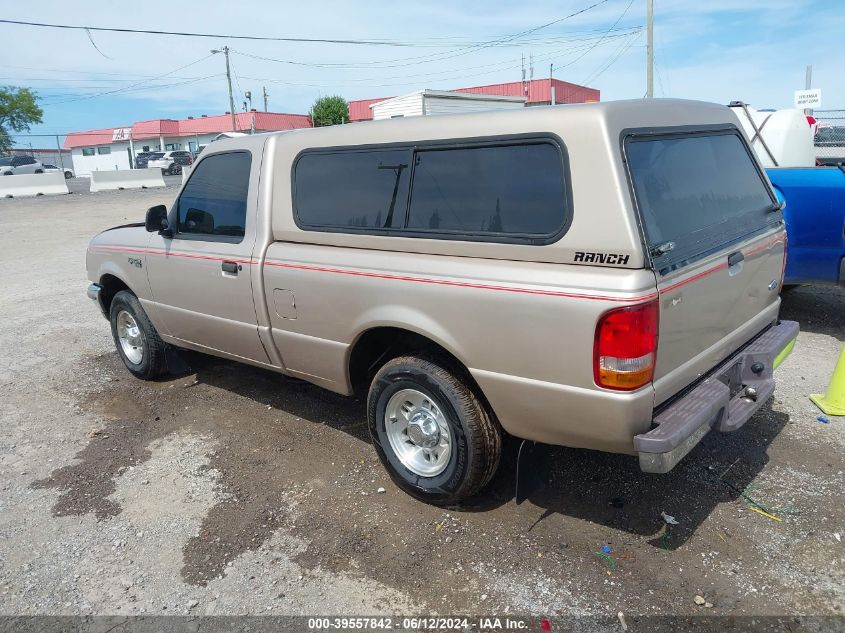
264 122
91 137
360 110
539 91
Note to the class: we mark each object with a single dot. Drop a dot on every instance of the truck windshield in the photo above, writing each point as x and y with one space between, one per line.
696 193
5 161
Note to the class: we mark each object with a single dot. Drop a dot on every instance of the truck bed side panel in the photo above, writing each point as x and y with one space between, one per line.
520 328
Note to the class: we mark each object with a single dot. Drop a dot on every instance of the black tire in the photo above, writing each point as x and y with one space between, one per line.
67 175
152 363
475 435
39 171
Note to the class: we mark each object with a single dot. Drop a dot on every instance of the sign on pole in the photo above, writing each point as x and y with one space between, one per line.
808 98
121 134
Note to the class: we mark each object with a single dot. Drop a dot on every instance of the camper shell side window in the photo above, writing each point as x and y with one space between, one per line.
513 189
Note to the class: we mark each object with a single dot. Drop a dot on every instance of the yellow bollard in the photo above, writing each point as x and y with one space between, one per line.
833 401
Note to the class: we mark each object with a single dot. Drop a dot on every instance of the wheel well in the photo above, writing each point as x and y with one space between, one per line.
111 286
379 345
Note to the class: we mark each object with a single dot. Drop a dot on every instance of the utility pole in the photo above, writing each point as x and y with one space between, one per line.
59 147
264 89
530 74
225 51
808 84
649 18
524 85
552 84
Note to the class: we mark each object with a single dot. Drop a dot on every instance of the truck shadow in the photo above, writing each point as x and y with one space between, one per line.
263 456
602 488
819 309
611 490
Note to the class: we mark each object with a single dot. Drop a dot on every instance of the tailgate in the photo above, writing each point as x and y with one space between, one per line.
717 242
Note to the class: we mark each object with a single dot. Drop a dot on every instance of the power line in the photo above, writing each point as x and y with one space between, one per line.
411 61
612 26
137 84
454 74
613 59
453 70
363 42
100 79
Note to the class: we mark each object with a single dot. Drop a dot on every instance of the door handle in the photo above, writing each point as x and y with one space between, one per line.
735 258
231 267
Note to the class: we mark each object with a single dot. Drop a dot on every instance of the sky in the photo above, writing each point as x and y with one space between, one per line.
712 50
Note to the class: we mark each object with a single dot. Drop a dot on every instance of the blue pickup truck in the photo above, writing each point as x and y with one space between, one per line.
815 222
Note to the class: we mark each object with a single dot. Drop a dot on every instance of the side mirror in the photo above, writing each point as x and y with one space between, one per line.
156 220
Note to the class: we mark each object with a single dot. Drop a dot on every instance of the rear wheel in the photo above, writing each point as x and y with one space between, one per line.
135 338
432 433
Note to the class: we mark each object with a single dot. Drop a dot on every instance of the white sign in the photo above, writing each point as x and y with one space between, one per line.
808 98
121 134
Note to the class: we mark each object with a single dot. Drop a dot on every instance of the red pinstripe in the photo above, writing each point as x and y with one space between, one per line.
445 282
723 265
172 254
359 273
462 284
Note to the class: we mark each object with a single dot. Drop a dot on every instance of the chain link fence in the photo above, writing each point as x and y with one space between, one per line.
830 136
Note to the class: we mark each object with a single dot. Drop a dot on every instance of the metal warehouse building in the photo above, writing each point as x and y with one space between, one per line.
534 92
115 148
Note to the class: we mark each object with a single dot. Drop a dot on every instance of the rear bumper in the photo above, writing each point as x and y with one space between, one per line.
724 401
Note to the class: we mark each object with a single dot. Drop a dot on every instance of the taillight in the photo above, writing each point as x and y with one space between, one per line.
626 347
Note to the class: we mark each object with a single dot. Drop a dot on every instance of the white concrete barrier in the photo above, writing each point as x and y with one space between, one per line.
24 185
186 172
126 179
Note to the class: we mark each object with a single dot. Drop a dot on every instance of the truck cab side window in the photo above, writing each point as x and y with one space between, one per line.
213 202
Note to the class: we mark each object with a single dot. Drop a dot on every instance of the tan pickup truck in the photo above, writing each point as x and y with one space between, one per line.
603 276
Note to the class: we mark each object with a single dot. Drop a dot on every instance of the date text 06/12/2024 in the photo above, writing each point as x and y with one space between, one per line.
491 623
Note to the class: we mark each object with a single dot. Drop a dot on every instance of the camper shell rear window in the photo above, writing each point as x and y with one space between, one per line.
696 192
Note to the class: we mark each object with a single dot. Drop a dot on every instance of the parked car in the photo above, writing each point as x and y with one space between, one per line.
600 276
68 172
20 164
814 210
830 145
170 163
142 158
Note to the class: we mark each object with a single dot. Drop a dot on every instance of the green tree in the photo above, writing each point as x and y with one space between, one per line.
18 110
329 111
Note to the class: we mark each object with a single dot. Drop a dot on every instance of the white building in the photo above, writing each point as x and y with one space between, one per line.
116 148
428 102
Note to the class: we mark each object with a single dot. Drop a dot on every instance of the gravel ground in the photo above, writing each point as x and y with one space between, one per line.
230 490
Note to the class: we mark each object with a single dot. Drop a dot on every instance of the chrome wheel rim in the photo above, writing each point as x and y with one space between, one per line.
418 432
130 337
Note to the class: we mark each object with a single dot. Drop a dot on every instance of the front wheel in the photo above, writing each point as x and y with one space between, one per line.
137 341
432 433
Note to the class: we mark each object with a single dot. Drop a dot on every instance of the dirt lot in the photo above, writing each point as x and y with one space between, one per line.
230 490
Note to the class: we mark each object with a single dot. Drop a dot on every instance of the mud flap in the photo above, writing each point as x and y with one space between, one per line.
176 364
528 475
